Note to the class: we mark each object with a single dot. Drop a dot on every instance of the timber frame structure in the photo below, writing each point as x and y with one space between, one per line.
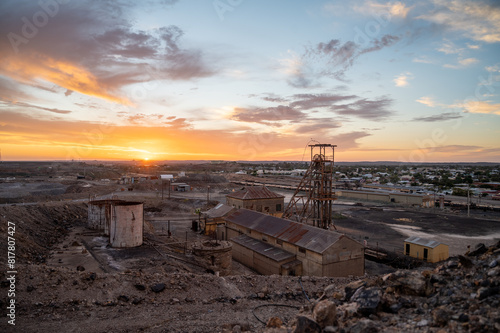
313 199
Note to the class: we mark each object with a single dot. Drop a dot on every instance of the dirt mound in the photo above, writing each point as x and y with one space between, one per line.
38 227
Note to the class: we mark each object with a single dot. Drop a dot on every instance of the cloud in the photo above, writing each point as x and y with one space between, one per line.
36 107
394 9
346 141
11 91
455 148
477 20
449 48
270 115
402 79
317 125
331 59
440 117
462 63
482 107
377 109
85 44
423 60
426 100
274 98
493 69
311 101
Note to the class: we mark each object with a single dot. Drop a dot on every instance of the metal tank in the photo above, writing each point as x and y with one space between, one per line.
99 214
127 224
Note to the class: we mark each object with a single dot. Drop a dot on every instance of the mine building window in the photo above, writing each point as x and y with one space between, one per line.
279 242
278 207
266 209
302 250
407 249
264 238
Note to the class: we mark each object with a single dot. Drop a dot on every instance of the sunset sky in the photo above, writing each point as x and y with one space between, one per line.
412 81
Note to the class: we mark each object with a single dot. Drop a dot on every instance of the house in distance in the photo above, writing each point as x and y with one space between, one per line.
259 199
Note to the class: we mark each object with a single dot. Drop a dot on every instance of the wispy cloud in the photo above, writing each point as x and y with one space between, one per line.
423 60
448 47
439 117
478 20
482 107
271 115
427 100
330 59
402 79
375 109
23 105
394 9
462 63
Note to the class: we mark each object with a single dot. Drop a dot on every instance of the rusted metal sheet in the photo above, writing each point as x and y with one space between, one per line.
308 237
255 193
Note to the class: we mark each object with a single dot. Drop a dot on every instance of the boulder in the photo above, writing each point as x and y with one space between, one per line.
325 313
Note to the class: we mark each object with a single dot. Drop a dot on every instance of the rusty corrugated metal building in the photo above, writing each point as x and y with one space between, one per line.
304 249
258 198
214 217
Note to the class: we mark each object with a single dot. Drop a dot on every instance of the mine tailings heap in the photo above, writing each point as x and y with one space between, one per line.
122 221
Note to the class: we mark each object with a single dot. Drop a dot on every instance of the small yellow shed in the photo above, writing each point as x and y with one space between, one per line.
426 249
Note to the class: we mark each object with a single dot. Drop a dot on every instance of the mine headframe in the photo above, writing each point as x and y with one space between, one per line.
312 201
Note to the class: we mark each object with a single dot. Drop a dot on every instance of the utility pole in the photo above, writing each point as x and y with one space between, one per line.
468 202
208 194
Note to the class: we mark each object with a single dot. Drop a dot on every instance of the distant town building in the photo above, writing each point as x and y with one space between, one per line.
420 200
258 198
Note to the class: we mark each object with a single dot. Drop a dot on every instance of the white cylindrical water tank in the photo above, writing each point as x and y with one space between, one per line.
99 214
127 223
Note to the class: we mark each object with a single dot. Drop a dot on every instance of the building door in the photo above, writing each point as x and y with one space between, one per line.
407 249
426 253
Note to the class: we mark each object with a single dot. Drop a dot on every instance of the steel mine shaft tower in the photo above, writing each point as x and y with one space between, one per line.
313 198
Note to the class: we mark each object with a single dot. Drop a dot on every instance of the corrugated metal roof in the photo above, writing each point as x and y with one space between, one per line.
255 192
219 210
266 249
303 235
422 241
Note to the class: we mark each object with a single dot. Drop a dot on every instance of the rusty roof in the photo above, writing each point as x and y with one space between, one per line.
255 192
219 210
269 251
303 235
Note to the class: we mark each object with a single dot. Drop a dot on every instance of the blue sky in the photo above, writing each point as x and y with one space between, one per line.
414 81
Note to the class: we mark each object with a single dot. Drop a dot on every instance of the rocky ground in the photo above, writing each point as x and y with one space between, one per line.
459 295
163 294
